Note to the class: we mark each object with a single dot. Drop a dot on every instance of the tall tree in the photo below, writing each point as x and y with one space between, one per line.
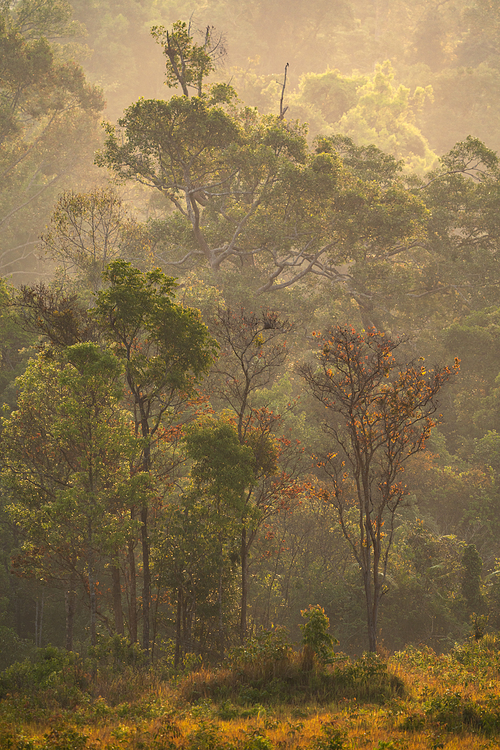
379 413
67 451
223 472
165 348
253 354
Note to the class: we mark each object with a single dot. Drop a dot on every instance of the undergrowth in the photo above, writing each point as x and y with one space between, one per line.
262 699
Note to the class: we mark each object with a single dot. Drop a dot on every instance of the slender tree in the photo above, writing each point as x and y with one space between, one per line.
378 414
253 354
165 348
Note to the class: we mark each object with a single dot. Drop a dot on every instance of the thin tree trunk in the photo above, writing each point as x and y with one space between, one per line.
146 587
244 586
92 591
117 600
219 602
70 601
132 613
178 628
39 621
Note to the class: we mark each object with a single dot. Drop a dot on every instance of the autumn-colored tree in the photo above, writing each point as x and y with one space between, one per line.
379 413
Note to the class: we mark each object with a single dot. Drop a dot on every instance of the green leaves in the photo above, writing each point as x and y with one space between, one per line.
188 63
165 346
223 467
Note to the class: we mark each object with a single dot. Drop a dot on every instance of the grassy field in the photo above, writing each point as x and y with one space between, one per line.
414 700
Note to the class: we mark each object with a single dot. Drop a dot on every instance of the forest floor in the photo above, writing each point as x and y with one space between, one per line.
414 700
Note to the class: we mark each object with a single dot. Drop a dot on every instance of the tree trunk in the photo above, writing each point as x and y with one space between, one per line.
146 572
178 629
219 603
117 600
39 621
92 589
244 586
132 607
70 601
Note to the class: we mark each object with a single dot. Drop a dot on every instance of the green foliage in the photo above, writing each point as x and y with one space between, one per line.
272 673
53 676
188 63
206 736
332 738
116 655
223 467
265 655
47 107
315 633
258 741
471 579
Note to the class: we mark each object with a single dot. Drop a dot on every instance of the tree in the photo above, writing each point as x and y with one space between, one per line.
67 451
379 413
86 232
247 188
253 354
188 63
46 108
165 348
224 472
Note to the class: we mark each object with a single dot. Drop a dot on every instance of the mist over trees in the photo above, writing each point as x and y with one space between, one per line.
250 323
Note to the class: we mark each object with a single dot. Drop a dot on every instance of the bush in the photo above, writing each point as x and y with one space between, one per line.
248 682
316 639
267 656
332 738
53 675
117 655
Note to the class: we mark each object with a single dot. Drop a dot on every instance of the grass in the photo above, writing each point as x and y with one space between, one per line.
415 700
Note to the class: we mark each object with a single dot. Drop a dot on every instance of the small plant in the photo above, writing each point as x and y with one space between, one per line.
332 738
258 741
206 737
316 639
64 738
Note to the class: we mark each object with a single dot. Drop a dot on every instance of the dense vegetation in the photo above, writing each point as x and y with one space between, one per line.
251 381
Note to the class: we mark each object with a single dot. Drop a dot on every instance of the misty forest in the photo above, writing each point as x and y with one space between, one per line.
250 312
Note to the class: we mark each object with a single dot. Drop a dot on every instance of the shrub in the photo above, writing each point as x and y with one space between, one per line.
332 738
317 641
267 656
53 675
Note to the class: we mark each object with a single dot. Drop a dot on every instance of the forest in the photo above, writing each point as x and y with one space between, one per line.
250 311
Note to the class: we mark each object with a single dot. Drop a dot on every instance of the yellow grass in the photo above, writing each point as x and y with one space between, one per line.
161 719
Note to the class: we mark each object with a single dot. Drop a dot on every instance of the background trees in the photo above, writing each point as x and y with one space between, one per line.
252 209
46 107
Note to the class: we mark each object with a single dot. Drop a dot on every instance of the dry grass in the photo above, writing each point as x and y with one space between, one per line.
450 701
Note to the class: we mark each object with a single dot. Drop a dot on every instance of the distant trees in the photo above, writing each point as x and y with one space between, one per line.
86 232
46 108
379 413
